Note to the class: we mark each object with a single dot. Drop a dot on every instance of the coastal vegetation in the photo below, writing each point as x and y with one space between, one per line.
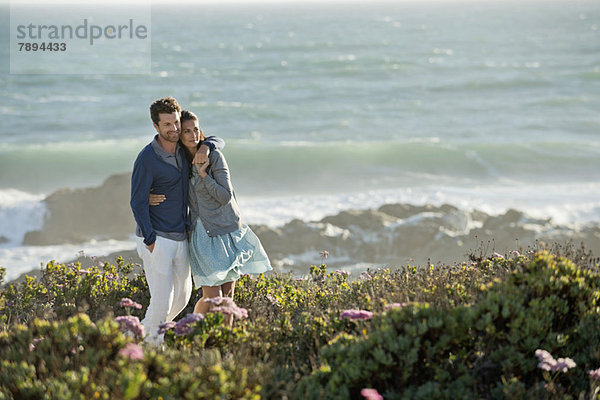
519 325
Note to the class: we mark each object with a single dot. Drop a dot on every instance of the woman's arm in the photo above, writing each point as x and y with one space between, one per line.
219 184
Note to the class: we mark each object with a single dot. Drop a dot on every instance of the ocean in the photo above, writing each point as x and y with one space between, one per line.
329 106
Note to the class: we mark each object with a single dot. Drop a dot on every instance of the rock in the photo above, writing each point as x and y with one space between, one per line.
3 240
404 211
365 219
510 218
78 215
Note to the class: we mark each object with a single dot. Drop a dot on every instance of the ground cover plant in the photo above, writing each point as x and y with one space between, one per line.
520 325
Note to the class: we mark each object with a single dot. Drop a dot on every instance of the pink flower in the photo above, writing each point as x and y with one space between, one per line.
497 255
356 314
162 328
227 306
131 324
126 302
132 351
365 275
371 394
595 374
324 254
237 312
83 272
564 364
395 305
271 299
548 363
217 301
185 325
341 273
34 343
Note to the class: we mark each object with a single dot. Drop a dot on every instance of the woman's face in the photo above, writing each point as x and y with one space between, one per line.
190 134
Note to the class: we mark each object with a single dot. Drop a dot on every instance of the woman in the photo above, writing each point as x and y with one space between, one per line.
221 247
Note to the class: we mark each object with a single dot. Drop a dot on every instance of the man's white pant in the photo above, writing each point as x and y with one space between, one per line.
169 279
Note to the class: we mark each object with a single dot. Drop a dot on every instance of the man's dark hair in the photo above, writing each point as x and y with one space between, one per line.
166 105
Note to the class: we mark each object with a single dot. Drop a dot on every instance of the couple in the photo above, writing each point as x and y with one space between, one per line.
182 168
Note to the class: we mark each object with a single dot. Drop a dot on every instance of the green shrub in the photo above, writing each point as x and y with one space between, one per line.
468 330
473 351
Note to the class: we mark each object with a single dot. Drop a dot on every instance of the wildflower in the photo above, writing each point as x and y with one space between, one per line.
126 302
185 325
81 253
272 299
515 253
110 277
356 314
324 254
227 306
365 275
162 328
498 255
546 360
371 394
132 351
83 272
395 305
217 301
564 364
548 363
341 273
131 324
34 343
299 279
237 312
595 374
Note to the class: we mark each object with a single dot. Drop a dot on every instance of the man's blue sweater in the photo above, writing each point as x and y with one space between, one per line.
151 172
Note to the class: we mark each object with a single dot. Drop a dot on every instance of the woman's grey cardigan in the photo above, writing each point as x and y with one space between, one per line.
212 199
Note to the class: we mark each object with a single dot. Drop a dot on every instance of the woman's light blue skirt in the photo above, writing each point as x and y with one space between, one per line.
221 259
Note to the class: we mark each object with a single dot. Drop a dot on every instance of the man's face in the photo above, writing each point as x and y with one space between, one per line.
168 126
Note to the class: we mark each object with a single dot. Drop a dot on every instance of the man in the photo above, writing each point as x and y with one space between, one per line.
161 166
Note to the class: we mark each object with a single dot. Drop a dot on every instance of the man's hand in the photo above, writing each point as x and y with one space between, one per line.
156 199
151 247
201 156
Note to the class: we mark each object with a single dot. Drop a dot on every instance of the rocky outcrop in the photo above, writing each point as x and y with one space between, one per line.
400 234
393 235
79 215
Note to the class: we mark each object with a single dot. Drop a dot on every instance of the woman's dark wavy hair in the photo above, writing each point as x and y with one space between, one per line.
187 115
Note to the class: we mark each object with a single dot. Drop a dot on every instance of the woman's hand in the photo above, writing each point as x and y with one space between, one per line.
156 199
201 168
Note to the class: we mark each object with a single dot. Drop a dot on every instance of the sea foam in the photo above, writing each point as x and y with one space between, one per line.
20 212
